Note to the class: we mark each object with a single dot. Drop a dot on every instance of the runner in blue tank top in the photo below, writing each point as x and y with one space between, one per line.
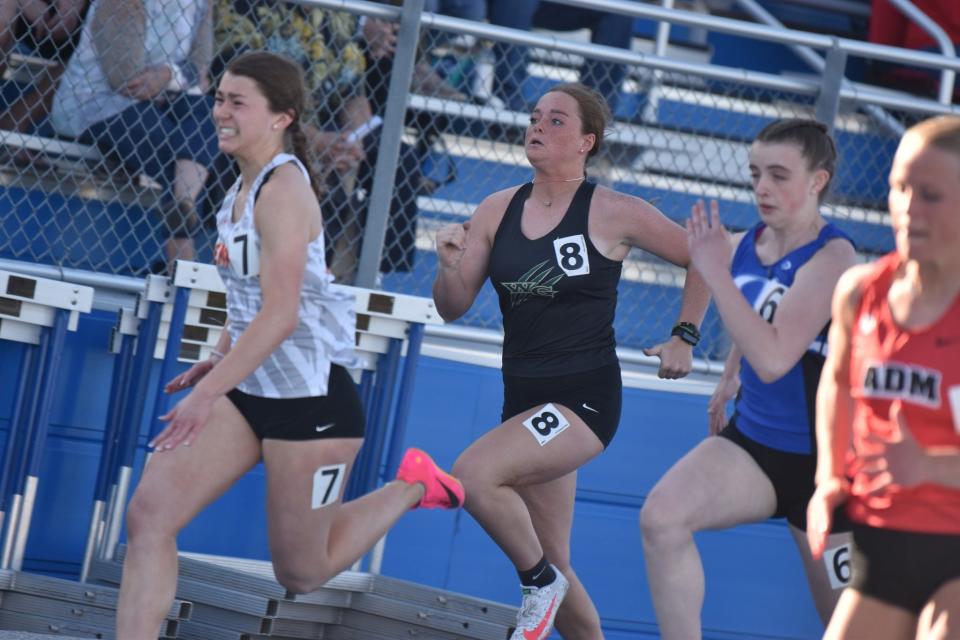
553 249
772 286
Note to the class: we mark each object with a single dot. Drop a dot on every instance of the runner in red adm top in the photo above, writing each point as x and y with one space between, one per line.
553 249
891 386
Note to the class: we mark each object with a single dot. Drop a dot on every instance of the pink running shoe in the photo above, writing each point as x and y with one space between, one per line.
443 491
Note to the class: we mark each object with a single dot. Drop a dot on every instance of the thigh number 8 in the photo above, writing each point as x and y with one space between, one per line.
546 424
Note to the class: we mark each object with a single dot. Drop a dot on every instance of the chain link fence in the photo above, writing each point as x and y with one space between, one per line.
109 160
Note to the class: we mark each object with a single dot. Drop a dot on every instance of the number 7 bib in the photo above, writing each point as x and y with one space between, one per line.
244 257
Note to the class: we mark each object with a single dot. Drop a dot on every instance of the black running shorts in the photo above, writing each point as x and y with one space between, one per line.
903 568
792 476
596 396
339 414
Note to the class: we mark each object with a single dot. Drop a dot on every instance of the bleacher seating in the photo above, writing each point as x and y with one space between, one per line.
675 140
671 161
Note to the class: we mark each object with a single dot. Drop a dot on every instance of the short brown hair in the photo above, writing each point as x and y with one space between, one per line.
813 138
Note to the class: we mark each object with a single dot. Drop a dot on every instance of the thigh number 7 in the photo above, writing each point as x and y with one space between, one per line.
327 482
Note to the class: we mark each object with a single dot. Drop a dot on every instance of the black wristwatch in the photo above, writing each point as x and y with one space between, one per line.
687 331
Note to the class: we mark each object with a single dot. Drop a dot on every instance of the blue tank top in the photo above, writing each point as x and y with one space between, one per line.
779 414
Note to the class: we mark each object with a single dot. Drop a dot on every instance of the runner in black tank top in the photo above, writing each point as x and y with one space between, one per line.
553 250
557 293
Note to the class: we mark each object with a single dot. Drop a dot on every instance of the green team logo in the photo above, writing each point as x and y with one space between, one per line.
536 282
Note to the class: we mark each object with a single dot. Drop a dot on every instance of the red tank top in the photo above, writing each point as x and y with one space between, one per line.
922 368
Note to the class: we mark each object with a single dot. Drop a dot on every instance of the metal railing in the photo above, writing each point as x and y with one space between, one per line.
669 153
947 76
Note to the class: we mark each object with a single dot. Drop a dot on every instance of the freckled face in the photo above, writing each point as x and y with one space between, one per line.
782 183
555 129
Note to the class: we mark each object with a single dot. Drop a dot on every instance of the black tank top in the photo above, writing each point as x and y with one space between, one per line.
558 294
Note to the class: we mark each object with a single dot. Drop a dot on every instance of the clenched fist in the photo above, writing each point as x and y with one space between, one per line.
451 244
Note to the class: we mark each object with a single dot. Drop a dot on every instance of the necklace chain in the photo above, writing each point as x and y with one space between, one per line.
549 203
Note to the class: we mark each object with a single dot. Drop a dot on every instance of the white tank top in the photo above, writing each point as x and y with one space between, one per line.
325 332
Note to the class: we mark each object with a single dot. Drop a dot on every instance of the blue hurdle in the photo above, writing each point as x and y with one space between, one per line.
387 324
122 342
119 453
36 312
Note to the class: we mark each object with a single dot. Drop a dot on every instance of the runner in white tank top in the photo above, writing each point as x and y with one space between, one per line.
278 391
326 324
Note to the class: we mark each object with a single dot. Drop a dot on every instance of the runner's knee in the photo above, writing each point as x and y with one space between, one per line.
661 519
297 577
145 518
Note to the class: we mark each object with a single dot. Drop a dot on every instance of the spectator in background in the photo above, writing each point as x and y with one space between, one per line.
47 29
325 45
608 29
135 89
347 67
889 26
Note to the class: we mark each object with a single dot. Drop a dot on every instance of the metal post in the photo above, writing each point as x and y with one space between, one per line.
111 536
366 388
181 300
378 210
399 431
813 59
13 524
133 419
119 392
663 32
828 100
947 76
366 468
404 400
51 366
390 364
21 463
651 105
14 442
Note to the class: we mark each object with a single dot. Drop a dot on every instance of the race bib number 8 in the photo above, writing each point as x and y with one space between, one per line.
327 482
572 255
546 424
837 560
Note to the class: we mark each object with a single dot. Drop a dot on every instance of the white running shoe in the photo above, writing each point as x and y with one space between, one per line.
539 608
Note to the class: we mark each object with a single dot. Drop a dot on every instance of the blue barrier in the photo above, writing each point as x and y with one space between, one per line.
38 313
384 386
